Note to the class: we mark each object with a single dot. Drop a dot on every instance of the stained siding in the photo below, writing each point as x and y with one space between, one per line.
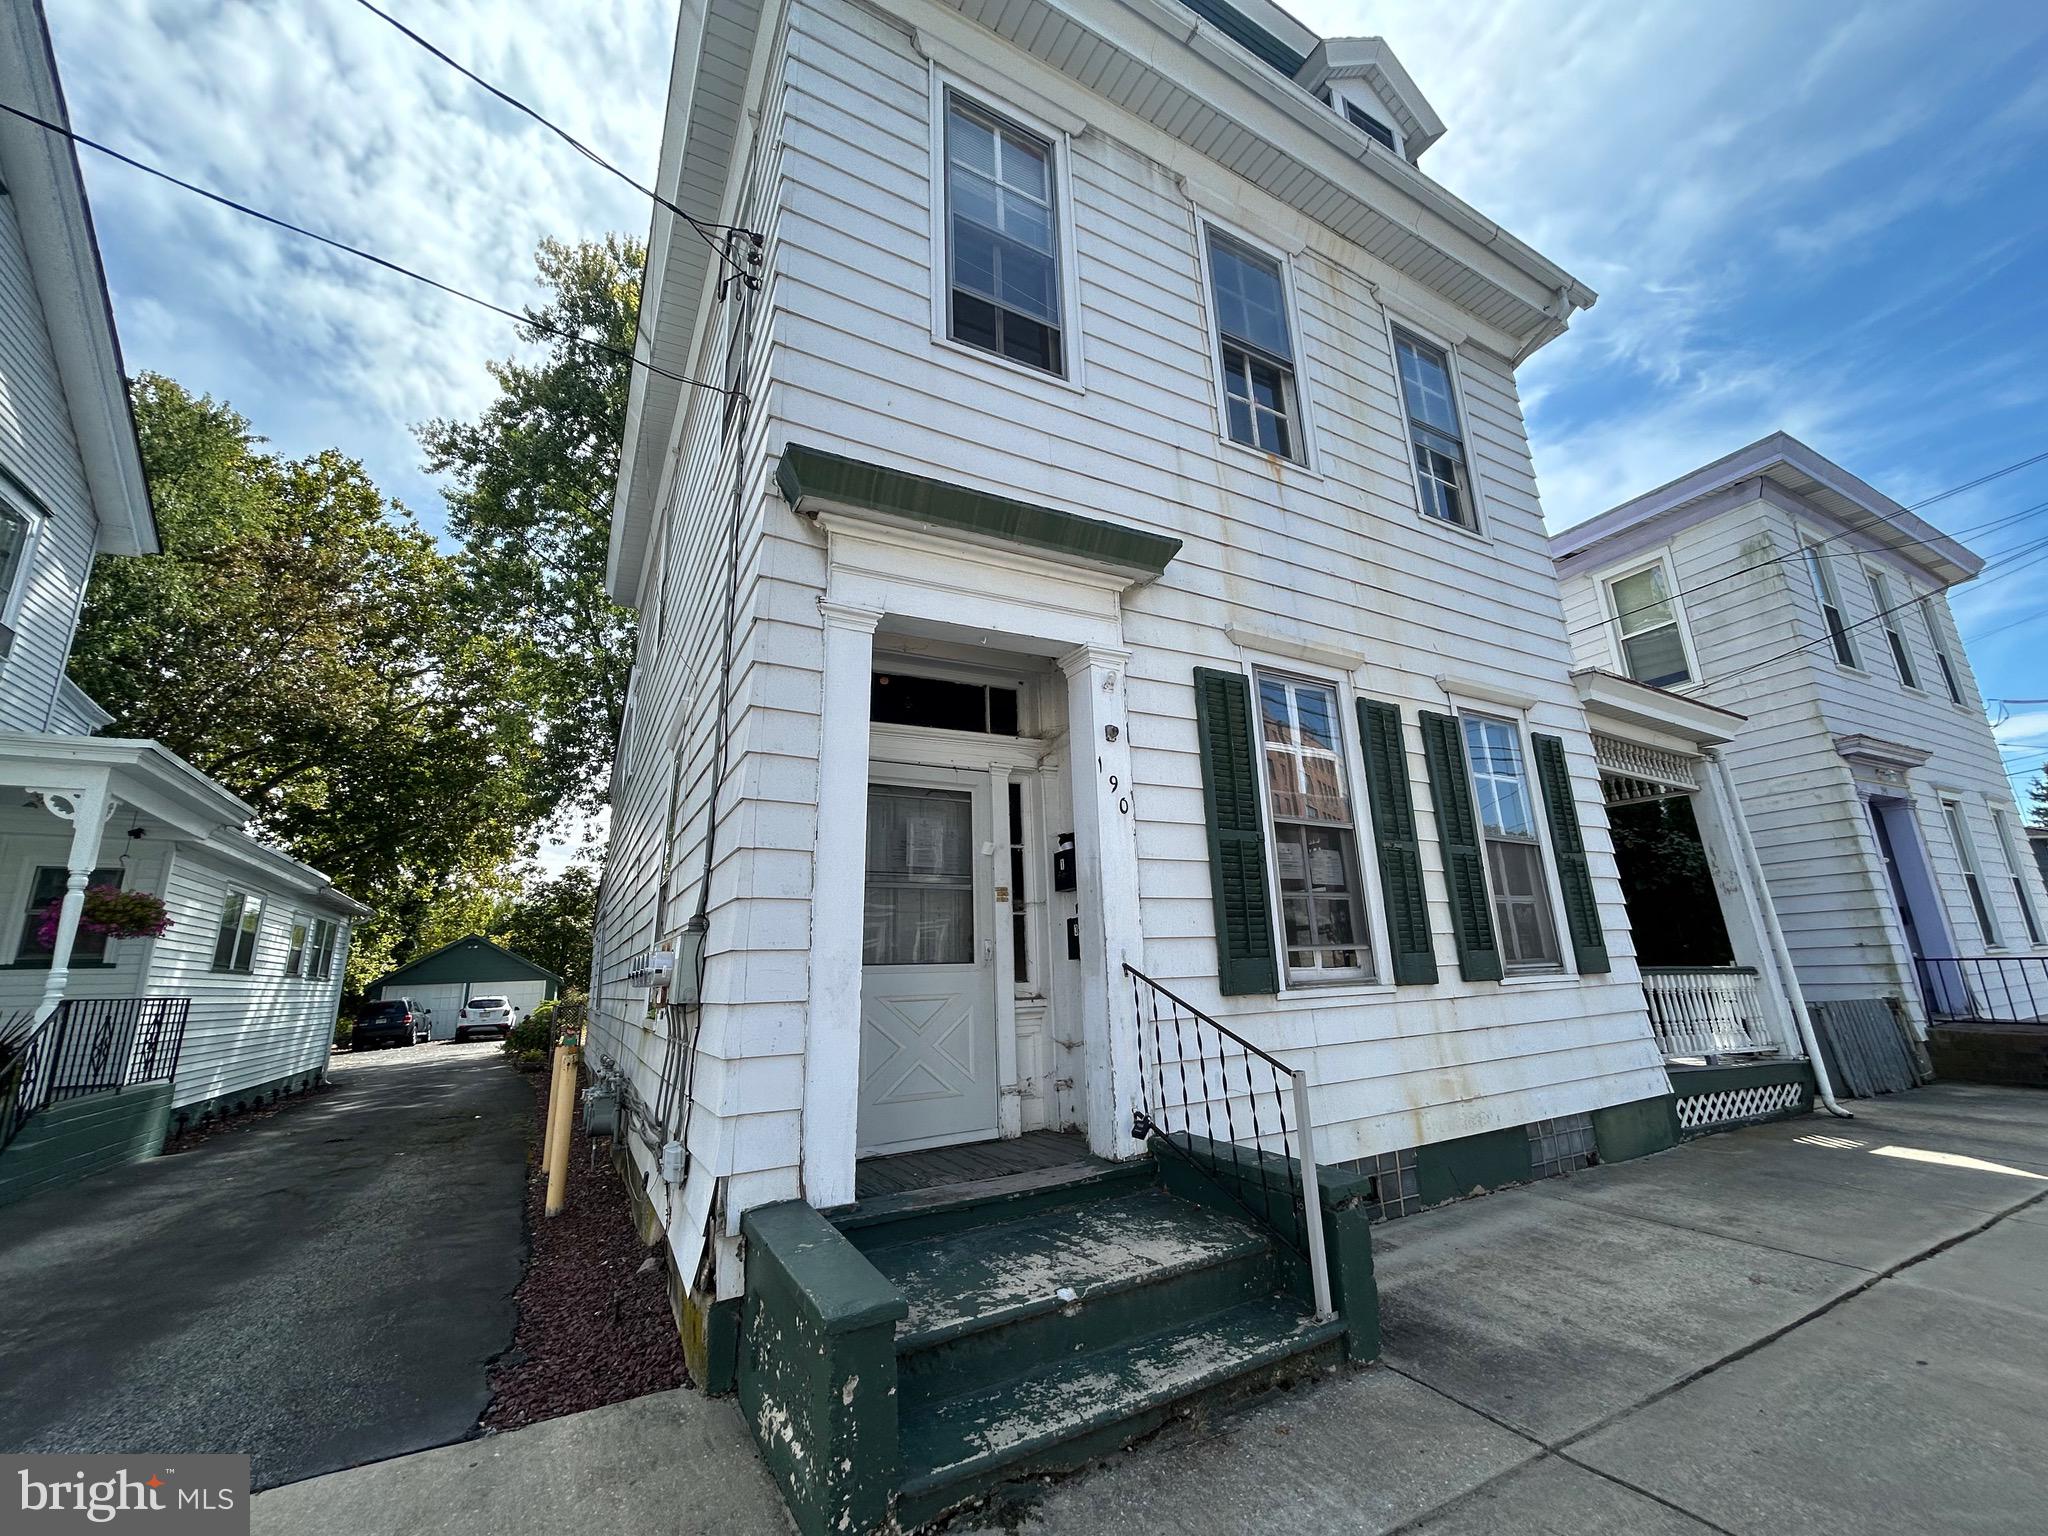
38 448
1747 599
1340 556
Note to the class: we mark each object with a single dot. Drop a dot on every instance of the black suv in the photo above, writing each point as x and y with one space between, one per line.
392 1022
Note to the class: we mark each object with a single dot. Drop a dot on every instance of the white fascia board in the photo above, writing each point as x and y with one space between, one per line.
41 174
1611 698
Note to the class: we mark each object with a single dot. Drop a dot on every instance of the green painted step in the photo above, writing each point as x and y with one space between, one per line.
986 1303
956 1449
955 1207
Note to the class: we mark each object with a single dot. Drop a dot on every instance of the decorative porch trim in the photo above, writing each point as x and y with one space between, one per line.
1630 770
812 480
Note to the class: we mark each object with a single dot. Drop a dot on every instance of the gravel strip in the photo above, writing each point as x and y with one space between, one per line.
594 1322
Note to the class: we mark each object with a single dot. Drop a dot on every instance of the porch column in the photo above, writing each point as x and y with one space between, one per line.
838 878
1746 910
1106 863
87 809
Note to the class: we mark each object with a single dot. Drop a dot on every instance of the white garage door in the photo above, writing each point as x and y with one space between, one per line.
444 1000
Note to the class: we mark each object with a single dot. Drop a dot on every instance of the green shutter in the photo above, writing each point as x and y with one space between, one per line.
1393 830
1237 833
1457 830
1581 910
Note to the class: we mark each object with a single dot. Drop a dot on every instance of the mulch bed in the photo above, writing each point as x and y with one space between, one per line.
229 1121
594 1322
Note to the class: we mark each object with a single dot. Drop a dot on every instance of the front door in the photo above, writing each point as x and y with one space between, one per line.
928 1072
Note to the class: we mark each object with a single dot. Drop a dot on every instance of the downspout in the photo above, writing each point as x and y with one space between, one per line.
1781 953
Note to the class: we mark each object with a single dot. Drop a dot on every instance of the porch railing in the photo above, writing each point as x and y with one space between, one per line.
1235 1112
92 1045
1987 989
1708 1011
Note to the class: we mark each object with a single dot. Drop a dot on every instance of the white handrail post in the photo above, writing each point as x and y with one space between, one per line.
1312 1201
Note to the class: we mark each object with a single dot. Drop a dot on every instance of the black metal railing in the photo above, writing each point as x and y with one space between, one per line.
1237 1113
91 1045
1986 989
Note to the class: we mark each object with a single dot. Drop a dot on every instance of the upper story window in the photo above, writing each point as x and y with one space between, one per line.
1002 238
1514 849
1881 591
241 920
1361 119
1434 430
1830 605
1261 403
15 528
1646 618
1935 639
1315 834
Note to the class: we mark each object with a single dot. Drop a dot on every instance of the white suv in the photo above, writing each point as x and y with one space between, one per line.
485 1016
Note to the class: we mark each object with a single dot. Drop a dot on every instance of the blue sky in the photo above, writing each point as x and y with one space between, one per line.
1827 218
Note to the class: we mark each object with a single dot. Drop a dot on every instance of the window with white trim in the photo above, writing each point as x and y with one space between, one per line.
1646 622
1973 880
241 921
1323 914
320 956
2015 871
1934 638
1261 401
16 533
1505 797
295 950
1371 126
1435 434
46 887
1830 604
1902 659
1002 238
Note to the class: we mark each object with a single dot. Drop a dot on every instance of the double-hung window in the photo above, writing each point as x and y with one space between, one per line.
1973 879
1934 638
320 958
1434 431
15 531
1261 404
46 888
1315 834
241 920
2014 868
1506 802
1645 615
295 953
1881 592
1830 605
1002 238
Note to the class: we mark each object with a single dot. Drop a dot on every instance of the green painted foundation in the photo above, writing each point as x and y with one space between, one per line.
1622 1132
817 1369
68 1140
188 1116
1472 1165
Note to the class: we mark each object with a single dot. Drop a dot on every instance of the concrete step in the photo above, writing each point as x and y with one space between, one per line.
945 1208
995 1301
960 1448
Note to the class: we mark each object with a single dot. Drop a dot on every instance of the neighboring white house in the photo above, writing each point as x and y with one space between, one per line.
250 968
1775 583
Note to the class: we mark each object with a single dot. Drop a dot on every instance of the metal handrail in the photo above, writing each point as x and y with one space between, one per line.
95 1045
1984 989
1169 1108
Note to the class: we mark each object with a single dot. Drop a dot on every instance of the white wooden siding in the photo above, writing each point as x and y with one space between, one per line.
38 448
1341 557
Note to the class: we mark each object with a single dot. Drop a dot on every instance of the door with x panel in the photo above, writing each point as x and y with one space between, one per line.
928 1073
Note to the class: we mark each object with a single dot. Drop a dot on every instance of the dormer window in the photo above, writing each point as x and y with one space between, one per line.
1361 119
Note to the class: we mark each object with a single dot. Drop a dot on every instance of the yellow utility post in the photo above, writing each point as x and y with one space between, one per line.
561 1119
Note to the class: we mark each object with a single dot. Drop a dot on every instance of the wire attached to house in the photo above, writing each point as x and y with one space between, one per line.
707 232
573 337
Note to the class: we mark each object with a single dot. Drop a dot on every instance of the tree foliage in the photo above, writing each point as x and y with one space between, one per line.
530 500
303 641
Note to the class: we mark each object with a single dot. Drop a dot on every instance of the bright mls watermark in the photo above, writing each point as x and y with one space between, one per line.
168 1495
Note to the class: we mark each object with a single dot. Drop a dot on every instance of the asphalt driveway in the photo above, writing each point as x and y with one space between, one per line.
318 1290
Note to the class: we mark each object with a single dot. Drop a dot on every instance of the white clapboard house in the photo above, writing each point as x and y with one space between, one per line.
1777 584
112 1039
1108 591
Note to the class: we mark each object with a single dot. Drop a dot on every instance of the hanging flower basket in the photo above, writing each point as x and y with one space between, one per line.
112 911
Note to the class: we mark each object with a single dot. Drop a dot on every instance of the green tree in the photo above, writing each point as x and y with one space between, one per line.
551 922
530 499
302 640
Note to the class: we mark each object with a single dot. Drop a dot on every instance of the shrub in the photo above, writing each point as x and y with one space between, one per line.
529 1041
344 1029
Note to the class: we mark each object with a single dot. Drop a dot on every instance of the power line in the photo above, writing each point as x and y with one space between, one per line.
705 232
360 254
2036 551
1873 520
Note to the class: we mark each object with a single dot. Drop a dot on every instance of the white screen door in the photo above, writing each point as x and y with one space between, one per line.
928 1072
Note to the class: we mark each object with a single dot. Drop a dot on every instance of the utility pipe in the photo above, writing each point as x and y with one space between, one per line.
561 1119
1788 975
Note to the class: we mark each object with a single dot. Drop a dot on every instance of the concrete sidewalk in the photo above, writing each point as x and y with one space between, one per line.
1822 1323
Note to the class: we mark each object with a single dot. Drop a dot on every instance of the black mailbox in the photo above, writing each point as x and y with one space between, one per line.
1063 862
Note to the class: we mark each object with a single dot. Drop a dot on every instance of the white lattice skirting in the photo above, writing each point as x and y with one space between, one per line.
1734 1105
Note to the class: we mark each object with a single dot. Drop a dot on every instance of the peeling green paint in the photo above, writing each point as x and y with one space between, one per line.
1470 1165
1636 1129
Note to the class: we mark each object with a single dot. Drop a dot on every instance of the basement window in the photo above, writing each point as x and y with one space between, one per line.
941 704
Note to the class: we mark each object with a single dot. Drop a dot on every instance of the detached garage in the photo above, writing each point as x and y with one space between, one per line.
473 967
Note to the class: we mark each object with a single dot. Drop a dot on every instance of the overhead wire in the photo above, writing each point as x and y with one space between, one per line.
523 318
